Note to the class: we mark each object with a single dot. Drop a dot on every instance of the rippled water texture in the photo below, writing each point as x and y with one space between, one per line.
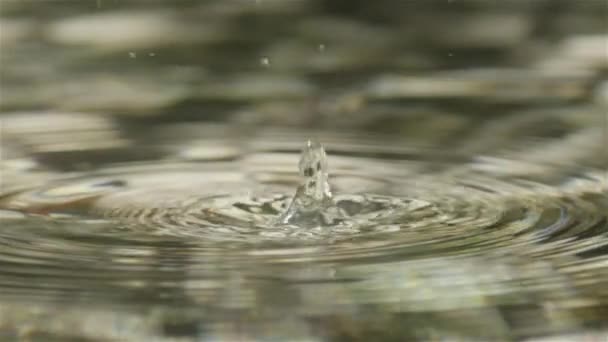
306 172
444 243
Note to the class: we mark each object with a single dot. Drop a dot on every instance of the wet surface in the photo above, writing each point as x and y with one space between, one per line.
150 186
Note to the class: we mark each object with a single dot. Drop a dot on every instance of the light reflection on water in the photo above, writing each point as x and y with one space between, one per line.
473 252
147 154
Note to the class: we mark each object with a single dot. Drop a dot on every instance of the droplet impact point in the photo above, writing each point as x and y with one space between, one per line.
312 203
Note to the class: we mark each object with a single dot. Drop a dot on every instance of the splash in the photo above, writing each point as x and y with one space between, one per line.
313 203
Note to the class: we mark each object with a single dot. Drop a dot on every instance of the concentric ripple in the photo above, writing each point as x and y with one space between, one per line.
415 205
223 231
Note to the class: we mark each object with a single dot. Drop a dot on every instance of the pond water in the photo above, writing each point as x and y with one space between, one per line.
303 171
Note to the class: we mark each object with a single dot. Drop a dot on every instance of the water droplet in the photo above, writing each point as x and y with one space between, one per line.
313 198
265 61
313 166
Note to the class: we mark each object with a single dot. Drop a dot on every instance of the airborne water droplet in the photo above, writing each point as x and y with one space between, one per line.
313 166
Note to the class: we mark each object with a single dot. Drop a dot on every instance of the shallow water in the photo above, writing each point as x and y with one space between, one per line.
185 242
150 159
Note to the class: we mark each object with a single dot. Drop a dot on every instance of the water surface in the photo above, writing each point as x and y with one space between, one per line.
150 159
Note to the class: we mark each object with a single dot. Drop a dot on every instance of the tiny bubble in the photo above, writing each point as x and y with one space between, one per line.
151 54
132 55
321 47
451 54
265 61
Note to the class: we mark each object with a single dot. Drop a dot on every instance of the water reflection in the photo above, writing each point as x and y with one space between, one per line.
148 149
477 248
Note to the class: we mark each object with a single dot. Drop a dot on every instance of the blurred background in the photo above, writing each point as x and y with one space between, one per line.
387 66
509 95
